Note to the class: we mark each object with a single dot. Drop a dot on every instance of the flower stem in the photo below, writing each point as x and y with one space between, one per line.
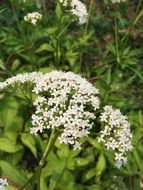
49 147
85 30
133 22
15 13
44 7
57 52
116 40
37 174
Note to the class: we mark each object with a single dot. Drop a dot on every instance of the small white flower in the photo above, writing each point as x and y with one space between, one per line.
118 1
21 79
77 8
116 134
3 183
33 17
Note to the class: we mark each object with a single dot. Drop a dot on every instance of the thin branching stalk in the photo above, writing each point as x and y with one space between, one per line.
136 17
57 51
44 6
63 30
60 175
29 181
37 174
85 30
15 13
57 46
48 149
116 40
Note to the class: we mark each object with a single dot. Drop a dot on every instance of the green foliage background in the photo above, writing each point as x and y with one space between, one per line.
107 51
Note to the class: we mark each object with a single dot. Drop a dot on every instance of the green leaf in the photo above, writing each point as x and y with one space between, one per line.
11 135
12 173
58 11
89 174
29 142
45 47
138 159
46 69
94 187
8 111
57 174
94 143
15 64
2 10
10 188
101 165
43 184
7 145
16 157
81 162
2 66
136 72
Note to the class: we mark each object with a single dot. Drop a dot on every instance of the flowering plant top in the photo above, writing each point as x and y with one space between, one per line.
77 8
67 103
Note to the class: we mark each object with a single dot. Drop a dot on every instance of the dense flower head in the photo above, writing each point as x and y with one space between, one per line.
66 102
21 79
77 8
118 1
33 17
3 183
116 134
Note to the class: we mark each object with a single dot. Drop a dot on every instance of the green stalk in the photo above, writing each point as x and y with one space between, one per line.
57 46
57 51
49 146
134 21
44 7
31 179
138 17
37 174
60 175
85 30
48 149
116 41
15 13
63 30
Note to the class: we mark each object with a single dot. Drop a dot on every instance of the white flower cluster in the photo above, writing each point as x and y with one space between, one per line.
3 183
21 78
77 8
66 102
116 134
118 1
33 17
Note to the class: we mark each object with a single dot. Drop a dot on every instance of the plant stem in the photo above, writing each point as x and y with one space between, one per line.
49 147
134 21
60 174
116 40
57 46
15 13
37 174
85 30
29 181
57 52
44 7
64 29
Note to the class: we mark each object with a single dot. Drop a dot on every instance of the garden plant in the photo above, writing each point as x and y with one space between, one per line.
71 95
